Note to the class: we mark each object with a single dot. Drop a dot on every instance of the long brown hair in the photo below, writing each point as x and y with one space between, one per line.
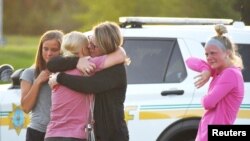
40 63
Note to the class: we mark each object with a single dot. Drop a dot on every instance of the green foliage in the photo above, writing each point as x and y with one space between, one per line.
36 16
19 51
29 17
112 10
243 6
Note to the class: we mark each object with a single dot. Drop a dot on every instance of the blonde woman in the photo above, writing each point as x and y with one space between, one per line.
70 109
226 89
109 85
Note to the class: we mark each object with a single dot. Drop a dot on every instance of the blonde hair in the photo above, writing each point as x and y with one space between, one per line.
108 36
73 42
234 55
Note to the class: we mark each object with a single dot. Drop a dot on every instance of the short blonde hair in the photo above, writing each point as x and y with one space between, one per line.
73 42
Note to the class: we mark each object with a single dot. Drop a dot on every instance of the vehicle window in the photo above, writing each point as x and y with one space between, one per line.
176 71
244 50
149 60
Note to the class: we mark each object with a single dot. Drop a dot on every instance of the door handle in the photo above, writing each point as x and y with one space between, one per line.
172 92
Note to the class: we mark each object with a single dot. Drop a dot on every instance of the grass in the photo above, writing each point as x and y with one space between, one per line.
18 51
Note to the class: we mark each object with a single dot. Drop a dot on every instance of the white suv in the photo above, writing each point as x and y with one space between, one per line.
162 103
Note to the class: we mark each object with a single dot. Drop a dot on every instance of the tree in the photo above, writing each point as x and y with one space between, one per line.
36 16
243 6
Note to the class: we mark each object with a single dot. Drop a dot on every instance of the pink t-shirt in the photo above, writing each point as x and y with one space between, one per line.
224 97
70 109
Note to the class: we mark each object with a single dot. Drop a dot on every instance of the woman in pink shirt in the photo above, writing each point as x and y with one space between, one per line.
70 109
226 89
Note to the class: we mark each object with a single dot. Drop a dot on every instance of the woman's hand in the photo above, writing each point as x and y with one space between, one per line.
202 78
52 80
43 77
85 66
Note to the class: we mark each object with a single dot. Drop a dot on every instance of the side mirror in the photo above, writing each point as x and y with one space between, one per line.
16 78
6 71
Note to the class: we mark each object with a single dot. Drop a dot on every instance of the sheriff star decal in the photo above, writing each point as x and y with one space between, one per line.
18 119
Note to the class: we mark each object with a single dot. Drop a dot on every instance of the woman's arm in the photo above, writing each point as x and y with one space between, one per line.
59 63
202 78
109 78
111 59
224 84
114 58
30 92
197 64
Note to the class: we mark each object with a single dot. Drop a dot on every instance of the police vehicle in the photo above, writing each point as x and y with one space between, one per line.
162 103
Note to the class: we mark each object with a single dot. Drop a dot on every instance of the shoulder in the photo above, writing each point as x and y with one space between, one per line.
232 72
28 74
29 71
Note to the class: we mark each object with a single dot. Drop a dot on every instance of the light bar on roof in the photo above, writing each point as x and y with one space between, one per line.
173 20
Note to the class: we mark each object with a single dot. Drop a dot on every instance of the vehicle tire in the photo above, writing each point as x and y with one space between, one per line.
184 130
5 72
